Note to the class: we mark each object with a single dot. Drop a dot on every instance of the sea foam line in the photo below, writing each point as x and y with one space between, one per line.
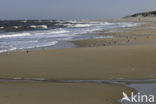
15 35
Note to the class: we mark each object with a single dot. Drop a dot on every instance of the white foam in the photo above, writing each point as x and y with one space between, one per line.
39 26
42 45
99 37
43 26
7 50
50 32
44 38
124 25
74 21
15 35
1 27
106 23
80 25
60 35
16 27
58 31
49 44
24 21
33 26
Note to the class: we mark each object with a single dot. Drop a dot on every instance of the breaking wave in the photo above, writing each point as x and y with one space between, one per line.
28 34
14 35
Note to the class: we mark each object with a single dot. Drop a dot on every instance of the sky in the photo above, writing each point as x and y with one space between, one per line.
72 9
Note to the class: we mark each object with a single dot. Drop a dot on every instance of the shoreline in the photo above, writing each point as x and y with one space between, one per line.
127 86
128 58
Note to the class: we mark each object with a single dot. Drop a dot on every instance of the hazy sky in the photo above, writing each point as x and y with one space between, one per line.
72 9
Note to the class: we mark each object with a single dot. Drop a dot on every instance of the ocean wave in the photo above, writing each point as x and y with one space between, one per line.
42 45
1 27
100 23
16 27
82 25
76 25
44 34
124 25
39 26
67 38
43 26
61 35
86 25
58 31
33 26
106 23
50 32
74 21
15 35
24 21
7 50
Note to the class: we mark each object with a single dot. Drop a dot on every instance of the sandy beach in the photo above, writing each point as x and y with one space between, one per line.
96 63
129 55
59 93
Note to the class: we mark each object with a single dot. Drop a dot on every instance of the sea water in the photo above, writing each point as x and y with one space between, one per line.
29 34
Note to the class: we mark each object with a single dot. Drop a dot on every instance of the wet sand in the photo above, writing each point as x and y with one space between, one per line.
97 63
59 93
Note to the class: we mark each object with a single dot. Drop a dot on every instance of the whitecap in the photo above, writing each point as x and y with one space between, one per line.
24 21
33 26
42 26
39 26
16 27
6 50
124 25
41 45
1 27
106 23
15 35
56 31
80 25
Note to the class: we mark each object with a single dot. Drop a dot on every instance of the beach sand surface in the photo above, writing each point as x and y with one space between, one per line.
129 55
97 63
59 93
